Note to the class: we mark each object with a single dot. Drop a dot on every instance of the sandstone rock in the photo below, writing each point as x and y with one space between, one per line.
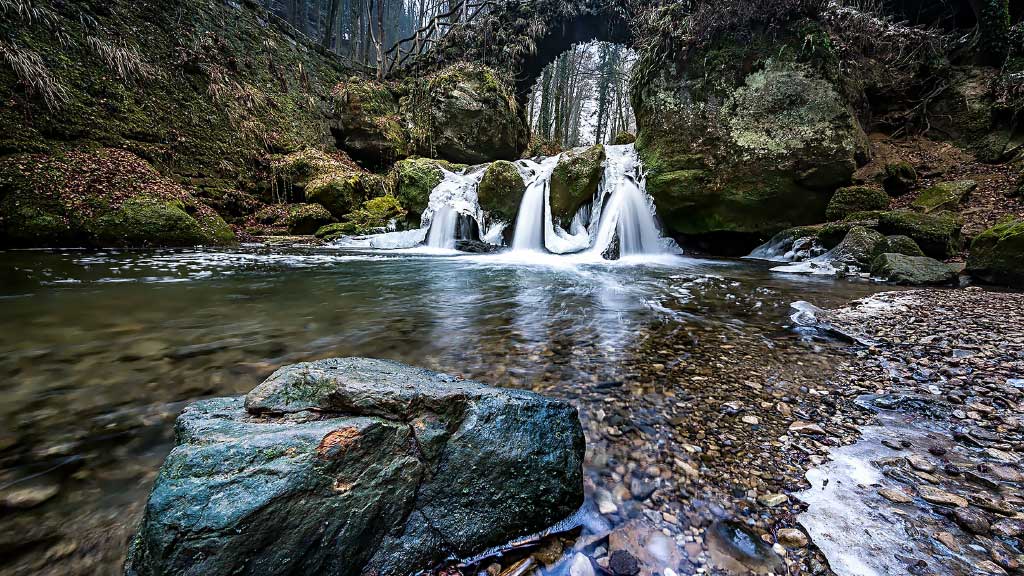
791 538
895 496
938 496
971 520
354 465
807 428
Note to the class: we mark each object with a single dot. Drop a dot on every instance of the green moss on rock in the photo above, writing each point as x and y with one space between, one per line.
859 247
899 178
854 199
501 191
575 179
369 123
944 196
937 234
912 270
372 217
624 138
997 254
905 245
99 197
415 178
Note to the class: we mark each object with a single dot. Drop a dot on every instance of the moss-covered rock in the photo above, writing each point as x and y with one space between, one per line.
624 138
855 199
937 234
501 191
744 138
912 270
859 247
464 113
899 178
997 254
575 179
373 216
905 245
329 180
99 197
944 196
290 219
369 124
415 178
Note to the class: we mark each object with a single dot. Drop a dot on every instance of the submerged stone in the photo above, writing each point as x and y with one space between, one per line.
350 466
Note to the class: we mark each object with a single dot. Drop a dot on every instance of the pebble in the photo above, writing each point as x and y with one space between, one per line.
920 463
791 538
772 500
622 563
938 496
22 498
806 428
896 496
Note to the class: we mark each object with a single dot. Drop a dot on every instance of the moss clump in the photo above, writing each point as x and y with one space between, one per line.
997 254
415 178
905 245
624 138
374 216
575 180
853 199
899 178
944 196
937 234
501 191
331 180
99 197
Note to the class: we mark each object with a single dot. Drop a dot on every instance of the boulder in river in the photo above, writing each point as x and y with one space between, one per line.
854 199
997 254
352 466
937 234
575 179
913 270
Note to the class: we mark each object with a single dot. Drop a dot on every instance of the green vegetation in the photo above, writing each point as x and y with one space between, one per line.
575 180
937 234
944 196
855 199
997 254
501 190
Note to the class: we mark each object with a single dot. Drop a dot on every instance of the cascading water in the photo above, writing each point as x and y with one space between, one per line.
621 214
443 228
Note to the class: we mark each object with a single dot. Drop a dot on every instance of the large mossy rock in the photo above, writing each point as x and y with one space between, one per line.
466 114
357 466
368 125
744 138
329 180
854 199
501 191
997 254
99 197
415 179
912 270
937 234
859 248
290 219
575 180
944 196
373 217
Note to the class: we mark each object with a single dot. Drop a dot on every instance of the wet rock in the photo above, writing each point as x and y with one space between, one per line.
28 496
1008 527
476 247
948 540
622 563
653 550
912 270
806 428
791 538
939 496
734 548
772 500
918 462
359 465
895 496
971 520
580 565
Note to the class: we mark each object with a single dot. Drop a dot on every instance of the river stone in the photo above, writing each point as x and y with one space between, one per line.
353 466
937 496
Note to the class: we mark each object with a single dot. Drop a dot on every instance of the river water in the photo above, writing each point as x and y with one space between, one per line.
99 350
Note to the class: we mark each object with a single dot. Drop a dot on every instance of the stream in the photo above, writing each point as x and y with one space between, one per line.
100 350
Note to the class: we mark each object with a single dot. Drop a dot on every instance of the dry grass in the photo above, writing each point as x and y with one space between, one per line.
123 60
33 74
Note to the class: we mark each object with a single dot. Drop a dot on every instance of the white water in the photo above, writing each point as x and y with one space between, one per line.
442 228
620 210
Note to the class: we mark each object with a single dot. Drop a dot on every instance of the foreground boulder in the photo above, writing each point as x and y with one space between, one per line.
501 191
938 234
355 466
575 180
997 254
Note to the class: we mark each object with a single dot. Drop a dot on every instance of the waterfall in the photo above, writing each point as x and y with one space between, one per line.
443 228
629 211
618 221
533 210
